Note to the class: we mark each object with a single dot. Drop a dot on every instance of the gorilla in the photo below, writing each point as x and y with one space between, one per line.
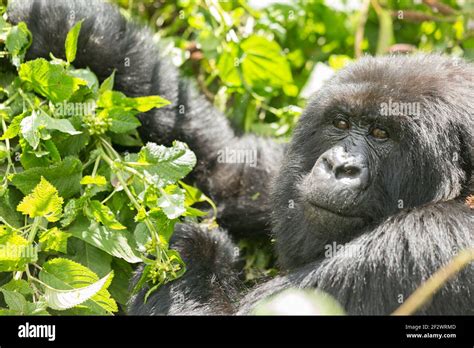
378 171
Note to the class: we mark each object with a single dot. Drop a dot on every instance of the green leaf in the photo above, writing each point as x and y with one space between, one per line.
264 64
15 251
18 40
98 180
100 212
14 128
164 225
54 240
8 203
88 76
71 210
65 176
108 84
142 236
71 145
193 194
228 65
122 121
111 99
30 129
70 284
49 80
36 308
44 201
120 284
14 300
32 126
172 202
71 42
166 165
118 243
129 140
19 285
144 104
87 255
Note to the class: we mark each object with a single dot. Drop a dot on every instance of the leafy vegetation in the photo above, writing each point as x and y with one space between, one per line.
260 64
75 214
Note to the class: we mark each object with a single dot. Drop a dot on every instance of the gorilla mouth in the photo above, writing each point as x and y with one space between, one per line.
316 206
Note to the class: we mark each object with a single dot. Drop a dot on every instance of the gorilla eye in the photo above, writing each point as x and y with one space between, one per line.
379 133
340 123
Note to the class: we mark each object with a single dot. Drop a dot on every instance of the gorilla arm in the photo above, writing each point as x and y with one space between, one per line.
379 269
210 284
108 42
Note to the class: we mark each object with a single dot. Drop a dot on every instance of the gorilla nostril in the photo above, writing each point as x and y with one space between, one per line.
347 171
327 164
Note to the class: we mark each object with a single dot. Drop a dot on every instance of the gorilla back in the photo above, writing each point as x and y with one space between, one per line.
379 167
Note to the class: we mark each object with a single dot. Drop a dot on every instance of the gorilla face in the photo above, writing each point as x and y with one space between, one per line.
383 135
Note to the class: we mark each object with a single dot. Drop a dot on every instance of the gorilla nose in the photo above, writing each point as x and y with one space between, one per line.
341 165
347 171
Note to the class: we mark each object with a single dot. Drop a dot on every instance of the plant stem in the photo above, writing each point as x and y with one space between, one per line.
96 166
34 229
433 284
9 159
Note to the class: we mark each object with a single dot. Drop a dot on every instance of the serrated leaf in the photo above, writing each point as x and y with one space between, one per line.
65 176
166 165
44 201
14 300
49 80
118 243
100 212
70 284
71 42
54 240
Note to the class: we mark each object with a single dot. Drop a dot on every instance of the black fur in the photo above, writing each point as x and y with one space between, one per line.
397 205
211 284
